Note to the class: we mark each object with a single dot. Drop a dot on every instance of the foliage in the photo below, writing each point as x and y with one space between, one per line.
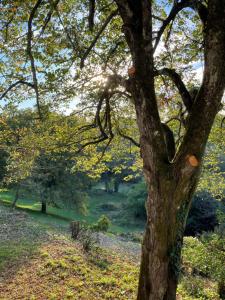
136 200
213 174
205 257
203 215
53 179
88 240
102 224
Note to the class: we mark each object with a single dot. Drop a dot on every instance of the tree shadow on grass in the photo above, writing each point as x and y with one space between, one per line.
20 239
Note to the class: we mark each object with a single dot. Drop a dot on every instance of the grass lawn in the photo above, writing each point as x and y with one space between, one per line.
99 203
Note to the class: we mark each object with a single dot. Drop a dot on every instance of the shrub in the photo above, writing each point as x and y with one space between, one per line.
102 224
84 234
202 215
194 287
88 240
204 259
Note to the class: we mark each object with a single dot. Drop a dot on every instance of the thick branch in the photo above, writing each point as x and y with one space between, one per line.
137 27
208 99
169 141
186 97
107 21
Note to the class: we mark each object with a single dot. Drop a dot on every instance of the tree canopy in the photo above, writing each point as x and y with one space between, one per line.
126 61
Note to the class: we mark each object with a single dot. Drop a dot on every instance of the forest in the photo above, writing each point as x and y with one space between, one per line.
112 138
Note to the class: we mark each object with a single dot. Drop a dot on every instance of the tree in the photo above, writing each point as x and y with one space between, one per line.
52 178
37 160
171 174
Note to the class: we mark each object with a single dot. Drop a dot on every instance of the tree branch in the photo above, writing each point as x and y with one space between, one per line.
128 138
49 15
14 85
91 14
97 141
185 95
177 7
30 54
107 21
208 100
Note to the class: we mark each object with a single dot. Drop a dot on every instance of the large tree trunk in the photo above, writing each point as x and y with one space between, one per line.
161 248
172 179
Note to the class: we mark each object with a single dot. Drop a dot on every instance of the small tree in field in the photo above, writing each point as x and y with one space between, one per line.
66 38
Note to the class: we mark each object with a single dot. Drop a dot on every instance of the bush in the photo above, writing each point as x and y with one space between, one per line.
195 287
102 224
88 240
202 215
84 234
204 259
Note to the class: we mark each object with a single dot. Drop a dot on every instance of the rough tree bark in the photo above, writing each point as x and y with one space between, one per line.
171 184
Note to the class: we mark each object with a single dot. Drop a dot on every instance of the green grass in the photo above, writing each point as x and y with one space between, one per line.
36 265
57 216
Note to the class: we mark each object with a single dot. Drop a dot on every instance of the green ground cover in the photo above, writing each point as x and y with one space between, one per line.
39 261
99 203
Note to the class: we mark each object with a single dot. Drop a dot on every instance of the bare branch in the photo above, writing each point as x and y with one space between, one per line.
107 21
108 117
104 150
173 119
14 85
158 18
97 141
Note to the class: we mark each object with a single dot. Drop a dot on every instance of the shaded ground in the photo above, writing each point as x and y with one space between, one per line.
37 262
